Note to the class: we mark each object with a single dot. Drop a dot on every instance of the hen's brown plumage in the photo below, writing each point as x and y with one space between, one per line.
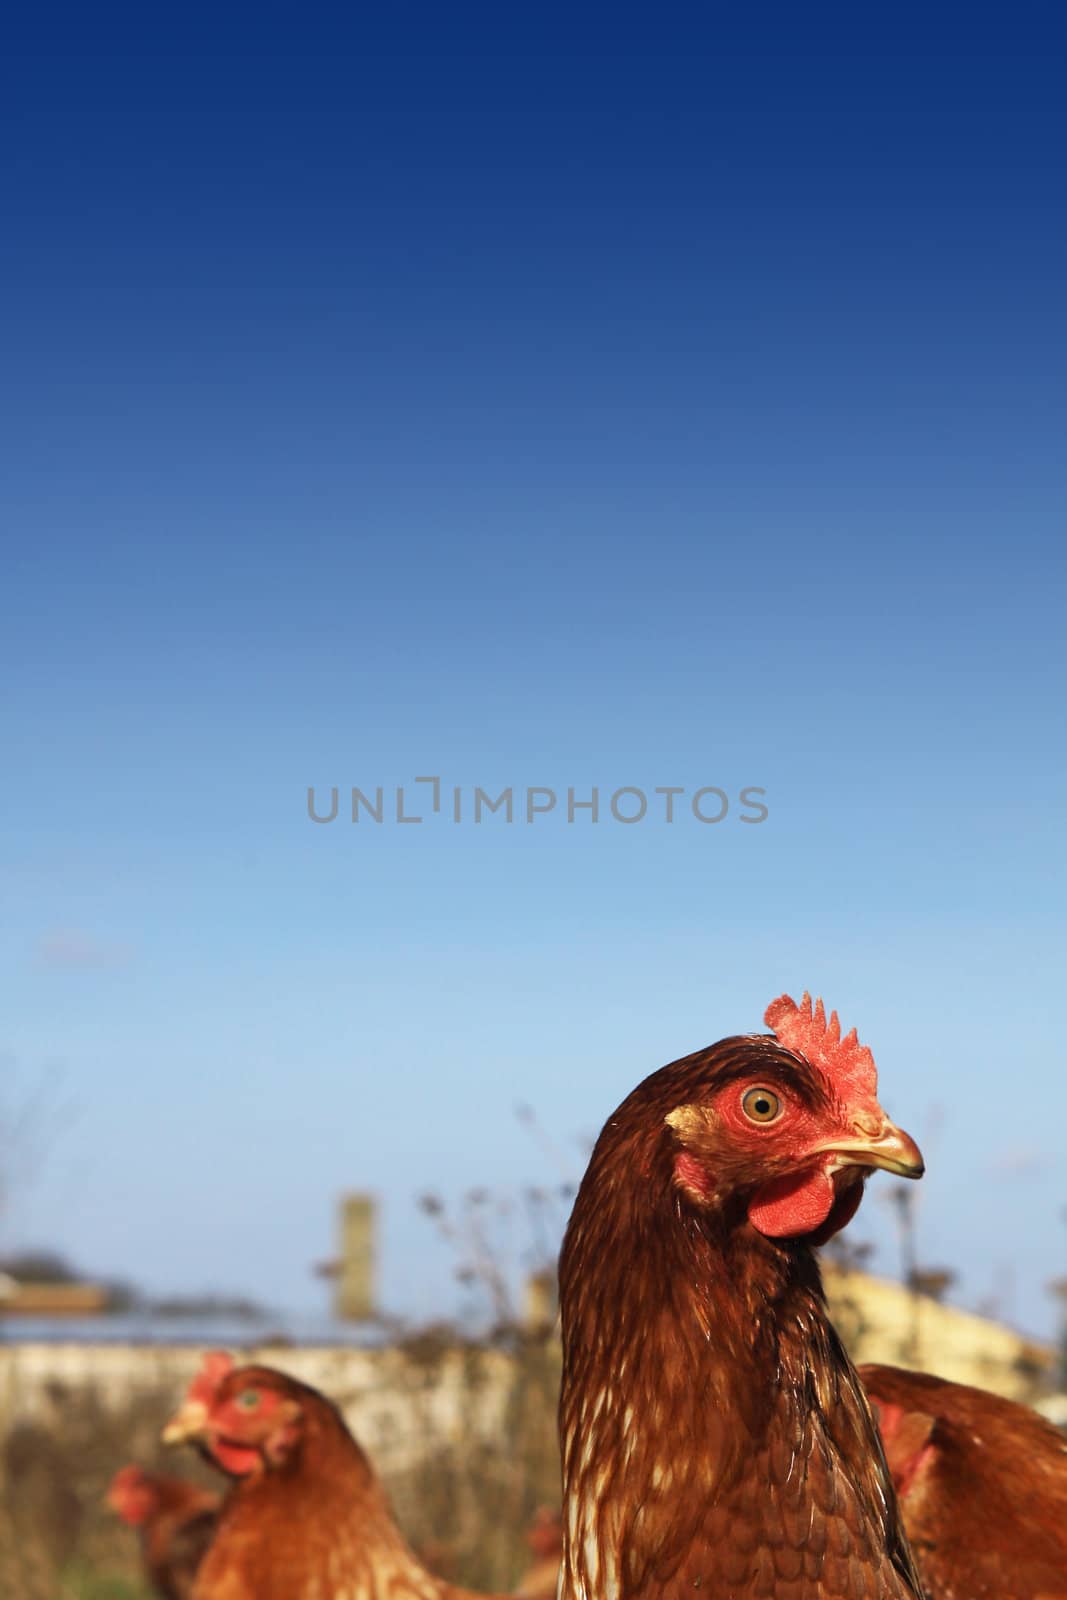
310 1521
982 1485
716 1439
176 1520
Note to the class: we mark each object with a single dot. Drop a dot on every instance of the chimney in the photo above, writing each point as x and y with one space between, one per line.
354 1294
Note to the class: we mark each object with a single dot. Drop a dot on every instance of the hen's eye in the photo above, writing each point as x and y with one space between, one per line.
248 1399
761 1105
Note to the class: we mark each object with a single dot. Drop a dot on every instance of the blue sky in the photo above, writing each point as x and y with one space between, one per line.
533 408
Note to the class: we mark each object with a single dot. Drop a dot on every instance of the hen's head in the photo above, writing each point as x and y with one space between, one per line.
779 1129
133 1496
247 1419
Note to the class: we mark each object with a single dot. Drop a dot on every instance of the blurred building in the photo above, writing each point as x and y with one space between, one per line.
884 1321
50 1299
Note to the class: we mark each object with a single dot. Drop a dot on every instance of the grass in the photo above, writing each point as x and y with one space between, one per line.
78 1583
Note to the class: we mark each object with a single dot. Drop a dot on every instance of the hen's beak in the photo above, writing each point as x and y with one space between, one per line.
188 1423
891 1149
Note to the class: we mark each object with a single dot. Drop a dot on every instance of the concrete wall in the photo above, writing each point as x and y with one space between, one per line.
399 1405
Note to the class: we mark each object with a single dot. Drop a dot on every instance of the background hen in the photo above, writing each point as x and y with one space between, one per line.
176 1521
715 1435
982 1485
545 1539
307 1518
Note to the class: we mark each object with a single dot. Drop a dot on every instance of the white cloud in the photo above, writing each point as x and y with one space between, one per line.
74 949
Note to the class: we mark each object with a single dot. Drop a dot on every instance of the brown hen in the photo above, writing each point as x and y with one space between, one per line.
982 1485
176 1520
306 1518
716 1439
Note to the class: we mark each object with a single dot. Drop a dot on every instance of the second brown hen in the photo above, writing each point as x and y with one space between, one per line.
982 1484
176 1520
307 1518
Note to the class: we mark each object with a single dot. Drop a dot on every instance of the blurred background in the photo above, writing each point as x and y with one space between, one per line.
525 538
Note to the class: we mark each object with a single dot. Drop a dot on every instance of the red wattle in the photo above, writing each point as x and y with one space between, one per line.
236 1459
793 1205
844 1209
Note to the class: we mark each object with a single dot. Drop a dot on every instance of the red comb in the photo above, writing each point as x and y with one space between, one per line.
213 1369
803 1029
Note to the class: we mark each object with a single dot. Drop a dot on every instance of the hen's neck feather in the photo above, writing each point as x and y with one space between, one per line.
714 1433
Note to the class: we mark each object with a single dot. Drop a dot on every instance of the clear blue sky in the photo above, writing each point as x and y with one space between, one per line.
531 403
